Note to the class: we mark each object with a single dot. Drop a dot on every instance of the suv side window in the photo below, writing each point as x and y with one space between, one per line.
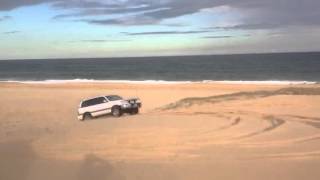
87 103
93 102
100 100
84 104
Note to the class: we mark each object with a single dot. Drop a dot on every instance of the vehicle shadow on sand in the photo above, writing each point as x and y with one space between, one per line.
109 116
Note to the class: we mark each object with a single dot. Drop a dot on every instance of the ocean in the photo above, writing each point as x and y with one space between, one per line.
276 67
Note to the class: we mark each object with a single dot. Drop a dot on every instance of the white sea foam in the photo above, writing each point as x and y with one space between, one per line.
99 81
270 82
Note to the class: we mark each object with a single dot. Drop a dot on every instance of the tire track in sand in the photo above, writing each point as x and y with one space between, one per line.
274 123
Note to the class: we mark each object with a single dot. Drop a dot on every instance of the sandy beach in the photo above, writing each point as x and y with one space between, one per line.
183 131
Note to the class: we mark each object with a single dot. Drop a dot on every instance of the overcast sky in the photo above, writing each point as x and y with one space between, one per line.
116 28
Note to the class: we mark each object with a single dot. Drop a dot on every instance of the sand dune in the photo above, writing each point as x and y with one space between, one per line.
185 131
186 102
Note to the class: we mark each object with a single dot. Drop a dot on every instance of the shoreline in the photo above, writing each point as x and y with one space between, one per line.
164 82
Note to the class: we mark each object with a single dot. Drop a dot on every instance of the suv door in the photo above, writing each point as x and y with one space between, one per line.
99 106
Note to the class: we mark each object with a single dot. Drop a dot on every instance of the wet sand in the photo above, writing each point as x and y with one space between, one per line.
184 131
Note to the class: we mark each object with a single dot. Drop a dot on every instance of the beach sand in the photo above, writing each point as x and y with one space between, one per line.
184 131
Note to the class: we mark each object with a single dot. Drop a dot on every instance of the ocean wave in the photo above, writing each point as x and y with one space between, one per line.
268 82
99 81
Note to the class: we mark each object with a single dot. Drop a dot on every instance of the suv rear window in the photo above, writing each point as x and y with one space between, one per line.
92 102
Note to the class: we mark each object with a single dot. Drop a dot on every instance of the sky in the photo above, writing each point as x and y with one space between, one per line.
38 29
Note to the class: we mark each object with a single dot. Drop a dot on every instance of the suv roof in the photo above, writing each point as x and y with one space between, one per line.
112 95
91 98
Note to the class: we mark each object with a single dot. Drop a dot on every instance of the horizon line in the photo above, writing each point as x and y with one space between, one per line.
153 56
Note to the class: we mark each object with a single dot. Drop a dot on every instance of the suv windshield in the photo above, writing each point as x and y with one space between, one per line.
113 98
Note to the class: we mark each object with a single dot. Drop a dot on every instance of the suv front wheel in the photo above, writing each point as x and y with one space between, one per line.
134 111
116 111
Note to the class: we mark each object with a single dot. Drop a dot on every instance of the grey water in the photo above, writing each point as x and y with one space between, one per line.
240 67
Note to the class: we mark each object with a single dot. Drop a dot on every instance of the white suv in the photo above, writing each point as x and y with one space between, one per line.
111 104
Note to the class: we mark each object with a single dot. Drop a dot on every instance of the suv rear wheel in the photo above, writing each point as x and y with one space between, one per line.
87 116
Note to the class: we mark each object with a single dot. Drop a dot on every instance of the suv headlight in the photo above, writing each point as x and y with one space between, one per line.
126 105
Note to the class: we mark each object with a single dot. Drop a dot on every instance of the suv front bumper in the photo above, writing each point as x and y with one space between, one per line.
130 107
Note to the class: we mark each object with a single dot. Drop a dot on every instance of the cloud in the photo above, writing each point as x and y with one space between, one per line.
101 41
224 37
283 13
136 12
164 33
7 5
97 9
244 26
5 18
128 21
11 32
217 37
255 14
83 4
